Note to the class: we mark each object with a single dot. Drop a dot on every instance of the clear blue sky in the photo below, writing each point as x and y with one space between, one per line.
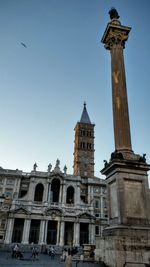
43 86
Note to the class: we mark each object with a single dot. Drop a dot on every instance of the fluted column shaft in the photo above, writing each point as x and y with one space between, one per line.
114 39
120 101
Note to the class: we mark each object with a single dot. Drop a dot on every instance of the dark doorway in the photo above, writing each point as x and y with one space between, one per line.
70 195
55 188
34 231
38 195
18 230
84 233
52 232
69 233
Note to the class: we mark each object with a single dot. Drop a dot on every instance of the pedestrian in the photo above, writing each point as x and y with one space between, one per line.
16 251
52 253
33 255
49 251
36 253
63 256
68 260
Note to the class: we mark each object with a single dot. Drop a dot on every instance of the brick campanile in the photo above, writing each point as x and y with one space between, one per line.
114 39
84 146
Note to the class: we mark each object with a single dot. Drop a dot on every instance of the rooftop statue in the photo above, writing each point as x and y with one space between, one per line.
35 166
49 167
57 163
113 13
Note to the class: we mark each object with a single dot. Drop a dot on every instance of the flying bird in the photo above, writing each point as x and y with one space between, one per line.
23 44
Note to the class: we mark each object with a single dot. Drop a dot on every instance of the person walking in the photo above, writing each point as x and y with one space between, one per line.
68 260
52 253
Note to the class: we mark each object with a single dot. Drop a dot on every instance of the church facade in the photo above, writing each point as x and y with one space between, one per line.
54 207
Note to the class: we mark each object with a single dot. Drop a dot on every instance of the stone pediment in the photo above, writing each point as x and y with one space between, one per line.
21 210
54 212
86 215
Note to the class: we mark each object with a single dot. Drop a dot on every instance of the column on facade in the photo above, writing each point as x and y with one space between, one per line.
89 194
45 232
102 206
64 193
77 201
9 231
42 231
91 233
46 188
76 234
58 232
49 194
62 232
60 193
26 231
31 189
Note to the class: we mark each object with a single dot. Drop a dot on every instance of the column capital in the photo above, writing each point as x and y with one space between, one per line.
115 35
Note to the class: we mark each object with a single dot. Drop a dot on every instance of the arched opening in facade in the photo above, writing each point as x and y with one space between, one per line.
84 233
18 230
70 195
38 195
68 239
34 231
52 232
55 188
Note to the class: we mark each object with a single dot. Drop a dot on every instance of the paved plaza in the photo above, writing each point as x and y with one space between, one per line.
43 261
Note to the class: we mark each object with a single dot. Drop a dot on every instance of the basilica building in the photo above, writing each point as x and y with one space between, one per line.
54 207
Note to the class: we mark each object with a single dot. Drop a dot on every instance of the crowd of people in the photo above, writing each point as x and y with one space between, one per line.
65 257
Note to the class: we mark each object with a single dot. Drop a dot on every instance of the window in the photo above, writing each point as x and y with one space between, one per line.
103 189
96 189
96 230
70 195
96 204
104 203
3 223
38 196
1 180
10 182
55 188
8 192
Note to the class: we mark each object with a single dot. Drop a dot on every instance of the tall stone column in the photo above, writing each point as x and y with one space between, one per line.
76 234
26 230
62 232
42 231
45 234
46 191
49 194
114 39
77 195
9 231
92 233
58 232
126 172
64 193
60 193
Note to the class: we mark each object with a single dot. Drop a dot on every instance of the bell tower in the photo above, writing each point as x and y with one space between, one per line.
84 146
